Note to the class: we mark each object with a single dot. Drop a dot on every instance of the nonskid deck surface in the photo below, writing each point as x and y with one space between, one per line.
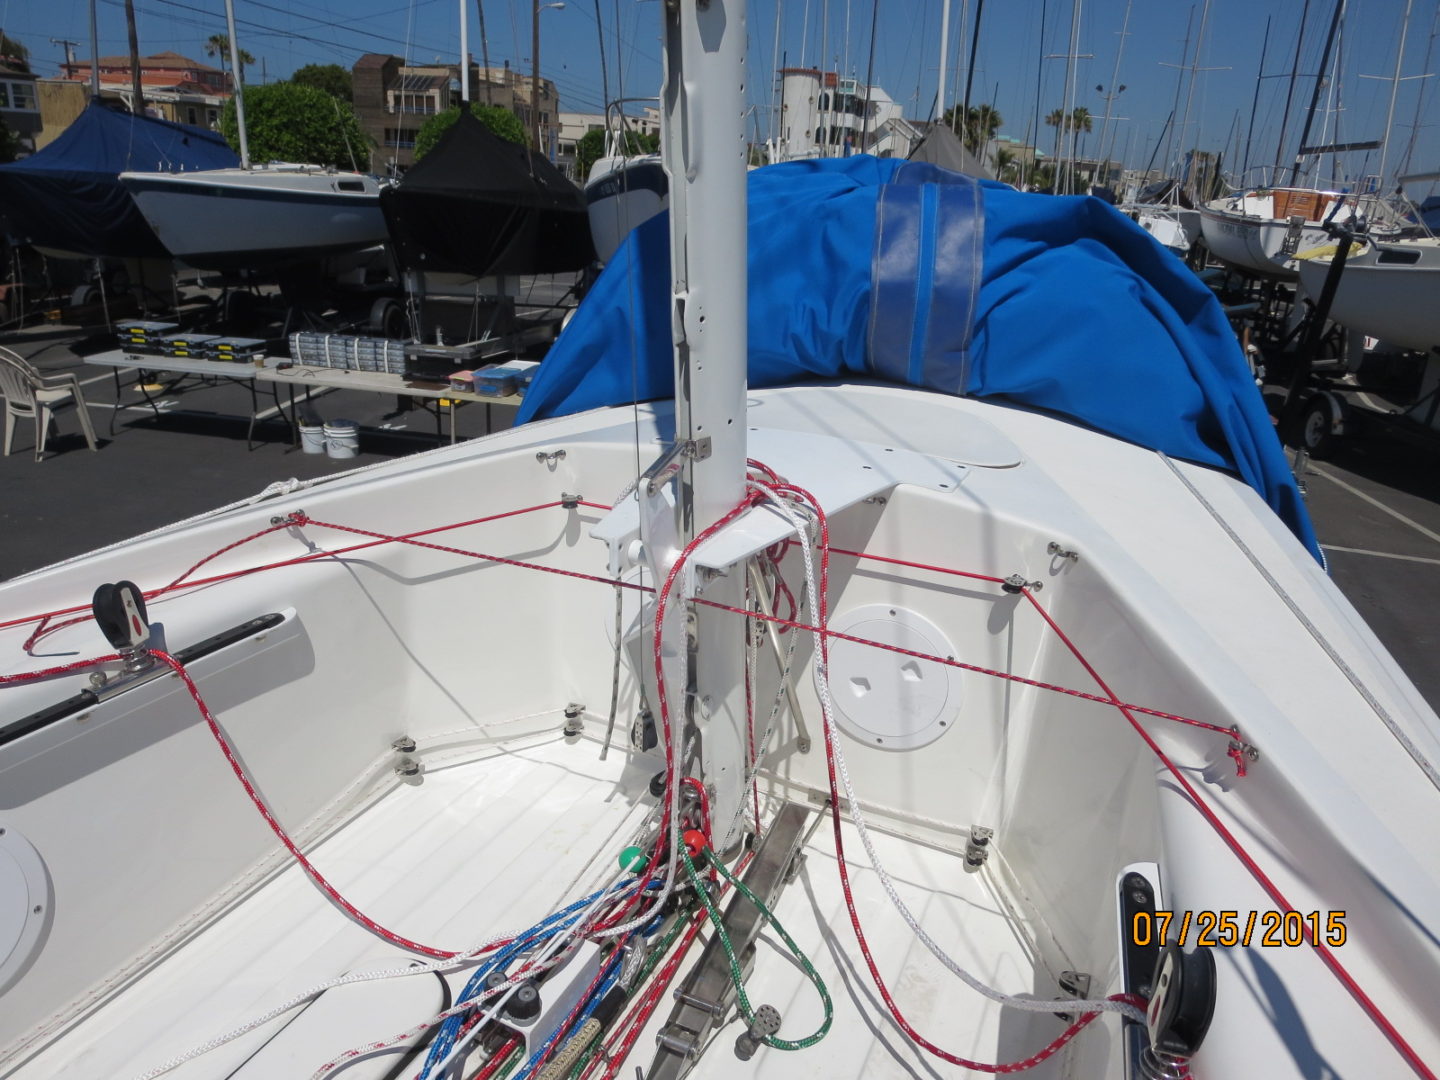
489 846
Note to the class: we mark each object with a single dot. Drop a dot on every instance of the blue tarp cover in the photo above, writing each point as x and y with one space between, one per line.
67 196
886 269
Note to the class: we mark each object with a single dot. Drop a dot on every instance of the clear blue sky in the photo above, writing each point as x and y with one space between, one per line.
290 33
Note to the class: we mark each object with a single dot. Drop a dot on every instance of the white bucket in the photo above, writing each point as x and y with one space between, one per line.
312 438
342 438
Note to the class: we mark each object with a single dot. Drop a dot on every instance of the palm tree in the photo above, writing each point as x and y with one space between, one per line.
981 124
219 45
1082 121
1007 165
1060 121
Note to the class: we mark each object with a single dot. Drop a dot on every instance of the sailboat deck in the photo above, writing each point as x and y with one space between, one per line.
492 845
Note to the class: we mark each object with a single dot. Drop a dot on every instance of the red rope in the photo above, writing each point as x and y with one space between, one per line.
497 1059
291 520
1325 953
821 603
279 830
950 661
1127 710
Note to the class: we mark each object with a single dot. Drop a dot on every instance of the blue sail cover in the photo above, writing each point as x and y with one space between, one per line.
903 271
67 197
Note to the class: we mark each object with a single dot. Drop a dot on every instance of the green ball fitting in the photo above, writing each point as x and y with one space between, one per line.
632 859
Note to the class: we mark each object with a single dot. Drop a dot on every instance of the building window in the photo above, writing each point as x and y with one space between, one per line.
191 117
4 95
212 116
24 95
424 104
399 139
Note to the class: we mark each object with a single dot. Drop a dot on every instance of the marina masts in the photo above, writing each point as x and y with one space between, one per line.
1255 102
1394 92
1315 93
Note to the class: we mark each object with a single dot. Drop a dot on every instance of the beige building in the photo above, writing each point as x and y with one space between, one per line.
393 100
174 87
19 105
575 126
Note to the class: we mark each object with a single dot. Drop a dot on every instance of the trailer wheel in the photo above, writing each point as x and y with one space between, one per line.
1317 429
387 318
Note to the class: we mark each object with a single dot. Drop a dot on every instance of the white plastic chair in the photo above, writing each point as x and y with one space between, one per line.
30 394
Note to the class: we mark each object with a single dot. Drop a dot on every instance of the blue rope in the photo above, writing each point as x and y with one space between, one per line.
537 935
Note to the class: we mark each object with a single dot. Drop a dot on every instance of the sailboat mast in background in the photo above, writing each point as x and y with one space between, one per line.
236 73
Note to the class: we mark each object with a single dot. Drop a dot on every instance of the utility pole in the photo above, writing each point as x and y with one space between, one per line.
535 72
94 55
484 49
137 101
69 47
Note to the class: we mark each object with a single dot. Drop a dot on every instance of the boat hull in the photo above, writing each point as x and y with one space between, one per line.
1175 228
1256 245
1383 294
230 221
621 195
1259 232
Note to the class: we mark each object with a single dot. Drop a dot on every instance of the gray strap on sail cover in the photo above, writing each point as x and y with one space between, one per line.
925 276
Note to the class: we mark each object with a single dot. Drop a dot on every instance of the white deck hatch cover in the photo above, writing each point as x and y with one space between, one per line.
885 699
24 903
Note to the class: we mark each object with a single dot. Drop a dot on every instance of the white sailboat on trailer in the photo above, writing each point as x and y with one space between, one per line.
1388 289
1048 686
262 214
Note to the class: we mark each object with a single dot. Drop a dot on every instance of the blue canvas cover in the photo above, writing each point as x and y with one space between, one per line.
67 197
900 270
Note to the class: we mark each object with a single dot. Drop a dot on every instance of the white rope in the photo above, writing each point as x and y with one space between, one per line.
301 998
370 1048
551 948
857 816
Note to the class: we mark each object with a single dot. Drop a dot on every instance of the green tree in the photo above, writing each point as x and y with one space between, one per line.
12 50
1007 165
591 148
285 122
1082 120
219 45
982 123
1060 121
500 121
332 78
9 144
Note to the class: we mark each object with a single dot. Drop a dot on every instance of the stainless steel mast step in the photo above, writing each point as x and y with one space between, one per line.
705 996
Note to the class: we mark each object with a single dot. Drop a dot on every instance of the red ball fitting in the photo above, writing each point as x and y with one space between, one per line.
695 841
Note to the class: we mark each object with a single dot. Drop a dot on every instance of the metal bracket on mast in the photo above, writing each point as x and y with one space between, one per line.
669 464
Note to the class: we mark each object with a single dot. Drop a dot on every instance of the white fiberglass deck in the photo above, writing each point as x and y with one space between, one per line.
491 845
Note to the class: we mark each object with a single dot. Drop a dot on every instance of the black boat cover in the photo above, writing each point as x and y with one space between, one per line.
66 197
477 204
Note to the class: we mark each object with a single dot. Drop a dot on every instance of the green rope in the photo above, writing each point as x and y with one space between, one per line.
744 1001
516 1057
652 961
